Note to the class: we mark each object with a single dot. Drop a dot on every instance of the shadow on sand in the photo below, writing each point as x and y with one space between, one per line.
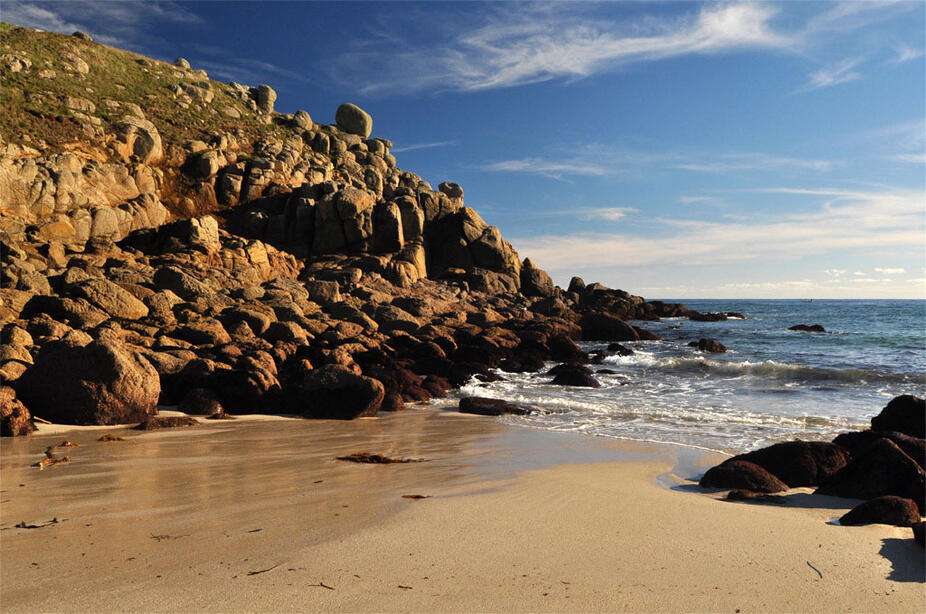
906 557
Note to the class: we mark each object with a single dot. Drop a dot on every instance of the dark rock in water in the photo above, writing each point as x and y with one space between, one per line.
697 316
491 407
562 348
153 423
436 385
734 314
742 475
856 442
893 510
575 375
755 497
15 419
798 463
904 414
881 469
102 382
606 372
337 393
813 328
919 533
620 350
569 367
646 335
523 363
709 345
200 401
598 326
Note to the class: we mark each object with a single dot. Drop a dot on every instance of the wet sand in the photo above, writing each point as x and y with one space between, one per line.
257 515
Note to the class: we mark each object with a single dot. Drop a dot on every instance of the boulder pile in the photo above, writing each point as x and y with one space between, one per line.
883 465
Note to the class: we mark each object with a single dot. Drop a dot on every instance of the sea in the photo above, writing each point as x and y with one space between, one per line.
771 385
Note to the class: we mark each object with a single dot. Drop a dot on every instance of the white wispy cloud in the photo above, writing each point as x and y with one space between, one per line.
852 220
912 158
126 24
607 214
828 76
905 53
554 168
415 146
520 44
751 161
597 161
890 271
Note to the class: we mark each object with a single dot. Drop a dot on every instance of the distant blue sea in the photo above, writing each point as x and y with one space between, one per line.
772 385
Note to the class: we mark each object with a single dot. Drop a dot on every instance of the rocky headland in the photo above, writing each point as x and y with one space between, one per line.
168 239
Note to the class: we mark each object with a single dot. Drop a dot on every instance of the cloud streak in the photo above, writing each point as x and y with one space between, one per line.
850 220
828 76
123 24
524 44
416 146
595 161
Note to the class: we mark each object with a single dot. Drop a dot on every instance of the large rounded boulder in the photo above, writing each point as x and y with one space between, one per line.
102 382
905 414
335 392
799 463
744 475
353 119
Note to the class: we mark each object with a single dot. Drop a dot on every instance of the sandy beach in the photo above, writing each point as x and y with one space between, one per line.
251 515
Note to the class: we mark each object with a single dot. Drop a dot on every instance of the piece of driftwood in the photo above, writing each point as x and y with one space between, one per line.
416 496
376 459
254 573
24 525
110 437
51 461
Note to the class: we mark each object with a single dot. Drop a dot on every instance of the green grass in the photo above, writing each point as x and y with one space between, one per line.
32 108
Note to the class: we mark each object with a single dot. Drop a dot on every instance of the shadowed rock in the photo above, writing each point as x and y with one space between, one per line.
798 463
335 392
102 382
882 469
893 510
742 475
904 414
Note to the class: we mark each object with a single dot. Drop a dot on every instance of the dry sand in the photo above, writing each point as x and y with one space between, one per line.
517 520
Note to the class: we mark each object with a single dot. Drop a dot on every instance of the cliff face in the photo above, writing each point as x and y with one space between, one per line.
98 143
170 239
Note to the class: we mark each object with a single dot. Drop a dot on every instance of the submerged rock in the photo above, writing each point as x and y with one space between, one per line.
491 407
709 345
812 328
154 423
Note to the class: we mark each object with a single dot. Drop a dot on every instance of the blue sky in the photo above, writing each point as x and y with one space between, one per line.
671 149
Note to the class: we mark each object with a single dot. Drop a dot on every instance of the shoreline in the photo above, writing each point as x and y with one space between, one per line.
511 512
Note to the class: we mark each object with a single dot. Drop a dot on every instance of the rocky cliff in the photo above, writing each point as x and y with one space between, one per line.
167 238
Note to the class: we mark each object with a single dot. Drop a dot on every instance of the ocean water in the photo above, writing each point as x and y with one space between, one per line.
772 384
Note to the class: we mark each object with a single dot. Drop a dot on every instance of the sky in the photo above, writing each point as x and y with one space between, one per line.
672 149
